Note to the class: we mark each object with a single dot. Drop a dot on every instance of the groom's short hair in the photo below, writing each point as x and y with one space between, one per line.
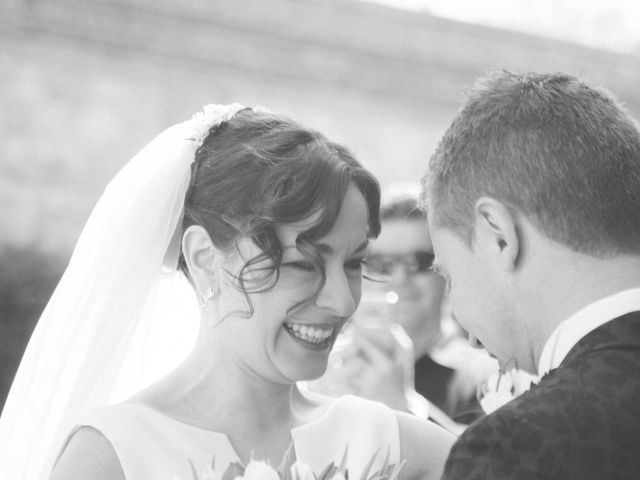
565 154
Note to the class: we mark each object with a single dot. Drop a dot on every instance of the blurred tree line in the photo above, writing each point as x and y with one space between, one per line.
28 277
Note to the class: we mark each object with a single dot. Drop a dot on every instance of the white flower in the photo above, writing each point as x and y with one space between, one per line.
208 474
211 116
257 470
338 476
494 400
302 471
500 388
205 474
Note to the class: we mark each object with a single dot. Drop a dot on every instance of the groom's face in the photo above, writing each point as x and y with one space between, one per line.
478 300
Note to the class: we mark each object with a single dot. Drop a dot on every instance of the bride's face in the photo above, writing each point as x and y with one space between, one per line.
284 344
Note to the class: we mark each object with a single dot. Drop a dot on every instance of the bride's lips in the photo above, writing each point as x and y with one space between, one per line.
313 336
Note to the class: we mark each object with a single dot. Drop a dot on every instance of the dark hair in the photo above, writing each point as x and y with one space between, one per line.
565 154
259 170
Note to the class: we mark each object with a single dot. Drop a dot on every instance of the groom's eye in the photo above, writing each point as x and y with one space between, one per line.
355 264
435 269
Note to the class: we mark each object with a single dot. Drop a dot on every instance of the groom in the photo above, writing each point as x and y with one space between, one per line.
533 201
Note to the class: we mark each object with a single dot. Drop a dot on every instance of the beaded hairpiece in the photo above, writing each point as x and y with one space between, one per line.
214 115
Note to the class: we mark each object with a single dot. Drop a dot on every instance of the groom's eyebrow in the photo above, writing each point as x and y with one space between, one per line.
363 246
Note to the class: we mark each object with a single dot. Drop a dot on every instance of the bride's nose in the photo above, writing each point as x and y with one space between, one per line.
336 295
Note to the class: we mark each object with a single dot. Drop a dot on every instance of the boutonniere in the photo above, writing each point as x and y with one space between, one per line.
502 387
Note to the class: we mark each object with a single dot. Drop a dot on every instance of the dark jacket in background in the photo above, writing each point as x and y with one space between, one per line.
432 381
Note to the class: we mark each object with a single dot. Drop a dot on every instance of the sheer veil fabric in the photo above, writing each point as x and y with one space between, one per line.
121 315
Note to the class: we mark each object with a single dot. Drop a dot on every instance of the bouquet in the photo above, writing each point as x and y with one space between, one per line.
291 469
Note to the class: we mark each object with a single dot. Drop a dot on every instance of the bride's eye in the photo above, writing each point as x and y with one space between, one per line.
301 265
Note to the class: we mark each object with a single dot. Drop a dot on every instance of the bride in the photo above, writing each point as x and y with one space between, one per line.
269 223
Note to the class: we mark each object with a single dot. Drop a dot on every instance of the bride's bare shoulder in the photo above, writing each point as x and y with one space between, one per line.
424 446
88 454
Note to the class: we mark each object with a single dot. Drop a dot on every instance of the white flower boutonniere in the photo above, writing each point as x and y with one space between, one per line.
502 387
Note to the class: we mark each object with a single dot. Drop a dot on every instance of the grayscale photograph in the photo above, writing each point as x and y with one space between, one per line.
320 240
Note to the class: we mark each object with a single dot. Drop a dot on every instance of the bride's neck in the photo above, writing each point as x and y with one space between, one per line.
212 387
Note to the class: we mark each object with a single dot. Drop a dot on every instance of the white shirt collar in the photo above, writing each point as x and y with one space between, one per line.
568 333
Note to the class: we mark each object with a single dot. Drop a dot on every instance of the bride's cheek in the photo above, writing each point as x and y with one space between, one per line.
298 281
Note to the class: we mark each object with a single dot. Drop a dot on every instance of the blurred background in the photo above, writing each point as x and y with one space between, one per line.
87 84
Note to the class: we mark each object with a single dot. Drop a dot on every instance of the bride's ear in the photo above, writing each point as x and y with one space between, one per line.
200 255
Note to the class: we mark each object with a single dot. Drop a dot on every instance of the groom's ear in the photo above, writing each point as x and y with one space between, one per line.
199 255
496 232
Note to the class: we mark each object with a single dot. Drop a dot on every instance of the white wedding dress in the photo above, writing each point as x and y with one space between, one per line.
151 445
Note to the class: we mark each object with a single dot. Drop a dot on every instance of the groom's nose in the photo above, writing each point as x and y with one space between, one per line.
474 342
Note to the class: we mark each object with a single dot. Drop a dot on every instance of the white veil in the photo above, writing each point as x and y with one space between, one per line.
94 343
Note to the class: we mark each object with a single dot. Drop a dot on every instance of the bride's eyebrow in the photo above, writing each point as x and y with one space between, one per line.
328 249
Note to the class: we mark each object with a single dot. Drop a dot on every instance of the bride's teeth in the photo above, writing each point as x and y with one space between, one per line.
310 333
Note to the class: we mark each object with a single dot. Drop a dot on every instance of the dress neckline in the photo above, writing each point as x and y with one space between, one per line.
347 424
296 433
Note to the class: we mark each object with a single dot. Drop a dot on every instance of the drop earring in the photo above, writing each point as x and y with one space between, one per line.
209 294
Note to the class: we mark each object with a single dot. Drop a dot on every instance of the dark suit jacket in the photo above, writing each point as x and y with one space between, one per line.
582 420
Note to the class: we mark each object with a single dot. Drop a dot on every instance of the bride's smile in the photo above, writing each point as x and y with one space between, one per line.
318 335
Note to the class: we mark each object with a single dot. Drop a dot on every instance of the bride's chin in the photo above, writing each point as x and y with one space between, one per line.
306 372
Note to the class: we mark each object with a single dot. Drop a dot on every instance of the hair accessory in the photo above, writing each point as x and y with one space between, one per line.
212 116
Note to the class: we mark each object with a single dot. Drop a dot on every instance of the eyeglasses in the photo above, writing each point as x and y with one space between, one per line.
414 262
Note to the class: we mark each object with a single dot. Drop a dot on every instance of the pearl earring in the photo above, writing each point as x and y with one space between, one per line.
209 294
